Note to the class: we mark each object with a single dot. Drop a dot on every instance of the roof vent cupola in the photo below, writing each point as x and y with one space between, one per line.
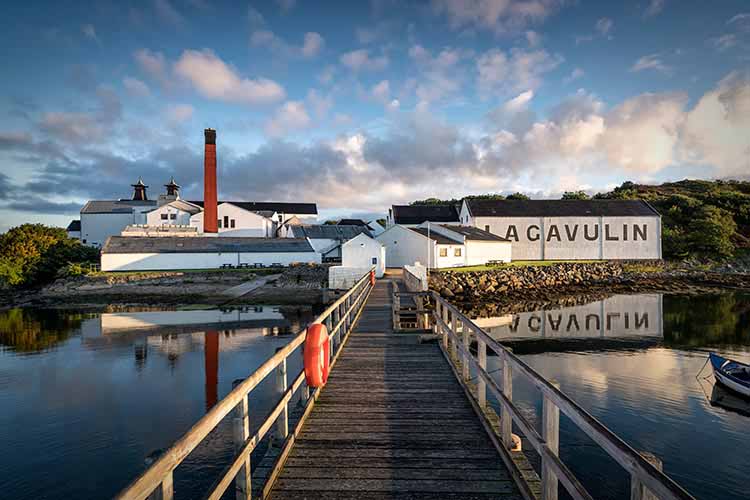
173 189
139 190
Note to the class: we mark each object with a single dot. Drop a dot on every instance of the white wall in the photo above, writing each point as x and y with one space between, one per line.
480 252
577 238
360 252
343 278
172 261
450 260
153 218
247 223
96 228
405 247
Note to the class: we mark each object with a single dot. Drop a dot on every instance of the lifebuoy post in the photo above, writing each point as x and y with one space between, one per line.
317 355
372 277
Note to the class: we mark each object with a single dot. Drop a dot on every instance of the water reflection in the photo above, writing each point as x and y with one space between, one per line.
96 398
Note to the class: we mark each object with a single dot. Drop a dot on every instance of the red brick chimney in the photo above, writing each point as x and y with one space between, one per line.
210 209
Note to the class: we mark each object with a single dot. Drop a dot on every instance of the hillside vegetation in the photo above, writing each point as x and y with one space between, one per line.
705 219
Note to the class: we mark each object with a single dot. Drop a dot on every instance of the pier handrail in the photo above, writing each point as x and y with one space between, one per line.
645 477
157 480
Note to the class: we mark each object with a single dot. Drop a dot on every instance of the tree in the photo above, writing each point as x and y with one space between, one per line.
711 232
575 195
517 196
31 254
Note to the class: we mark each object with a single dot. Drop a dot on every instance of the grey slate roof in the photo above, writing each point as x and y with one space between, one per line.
474 233
75 225
328 232
114 206
439 238
417 214
560 208
272 206
203 244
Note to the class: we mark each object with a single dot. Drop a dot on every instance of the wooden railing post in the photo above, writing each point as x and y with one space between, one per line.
506 424
165 490
448 338
454 329
282 424
637 490
466 337
242 483
335 315
481 384
551 436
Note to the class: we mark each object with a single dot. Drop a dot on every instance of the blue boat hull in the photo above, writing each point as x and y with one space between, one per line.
731 374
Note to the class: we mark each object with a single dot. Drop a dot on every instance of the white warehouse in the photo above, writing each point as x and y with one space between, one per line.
440 246
133 253
570 229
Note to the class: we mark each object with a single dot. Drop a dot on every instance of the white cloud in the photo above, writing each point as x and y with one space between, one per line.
179 114
440 77
381 91
651 62
320 104
498 16
724 42
313 44
286 5
89 32
574 75
654 8
152 63
523 70
604 26
135 87
327 74
533 38
255 18
214 79
742 20
357 60
169 13
519 103
290 117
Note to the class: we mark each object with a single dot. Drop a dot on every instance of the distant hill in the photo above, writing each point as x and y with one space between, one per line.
699 218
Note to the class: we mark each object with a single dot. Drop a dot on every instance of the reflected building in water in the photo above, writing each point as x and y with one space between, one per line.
617 317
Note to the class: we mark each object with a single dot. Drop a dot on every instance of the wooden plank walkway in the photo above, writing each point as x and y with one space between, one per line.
392 422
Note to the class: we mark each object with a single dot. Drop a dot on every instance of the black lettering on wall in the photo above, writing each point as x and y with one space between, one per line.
538 323
610 317
553 232
571 236
642 321
511 233
528 233
555 324
514 324
624 232
627 320
607 236
572 319
589 237
589 317
640 230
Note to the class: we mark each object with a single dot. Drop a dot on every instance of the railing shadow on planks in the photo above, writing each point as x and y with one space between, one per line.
646 480
157 481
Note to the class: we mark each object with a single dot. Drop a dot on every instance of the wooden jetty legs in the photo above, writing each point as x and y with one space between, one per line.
392 422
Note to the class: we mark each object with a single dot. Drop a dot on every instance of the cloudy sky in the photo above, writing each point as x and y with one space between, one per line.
358 105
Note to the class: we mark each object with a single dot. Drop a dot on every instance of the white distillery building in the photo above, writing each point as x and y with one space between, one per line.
326 238
570 229
363 252
441 245
121 253
101 219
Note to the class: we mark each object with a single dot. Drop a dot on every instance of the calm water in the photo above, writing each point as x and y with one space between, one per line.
86 398
646 393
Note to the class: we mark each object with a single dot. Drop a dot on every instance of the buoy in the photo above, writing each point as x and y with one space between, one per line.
372 277
317 355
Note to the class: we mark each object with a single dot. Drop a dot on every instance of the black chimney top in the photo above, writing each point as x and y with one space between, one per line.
139 191
210 136
172 187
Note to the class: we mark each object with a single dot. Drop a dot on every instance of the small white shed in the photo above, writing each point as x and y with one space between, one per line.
364 252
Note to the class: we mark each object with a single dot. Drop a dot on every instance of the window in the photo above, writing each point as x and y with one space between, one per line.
487 227
226 221
443 252
231 223
457 252
173 216
218 224
374 261
164 216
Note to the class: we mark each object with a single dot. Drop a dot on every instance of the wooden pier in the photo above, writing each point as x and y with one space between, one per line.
399 418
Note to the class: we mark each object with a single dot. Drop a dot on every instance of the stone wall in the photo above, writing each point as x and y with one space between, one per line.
487 285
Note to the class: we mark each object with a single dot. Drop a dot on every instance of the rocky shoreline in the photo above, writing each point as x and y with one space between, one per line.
515 289
303 284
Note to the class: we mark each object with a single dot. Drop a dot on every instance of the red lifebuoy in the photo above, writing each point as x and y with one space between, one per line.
372 278
317 355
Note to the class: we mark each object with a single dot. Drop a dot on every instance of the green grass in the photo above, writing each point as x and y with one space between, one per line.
515 263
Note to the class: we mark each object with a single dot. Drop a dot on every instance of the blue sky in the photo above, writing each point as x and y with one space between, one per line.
358 105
